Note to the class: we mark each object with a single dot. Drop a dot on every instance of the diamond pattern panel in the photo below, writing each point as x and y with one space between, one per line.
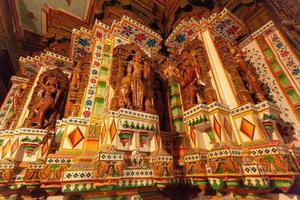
75 137
5 149
44 148
14 146
102 135
157 139
217 127
113 130
247 128
193 136
227 127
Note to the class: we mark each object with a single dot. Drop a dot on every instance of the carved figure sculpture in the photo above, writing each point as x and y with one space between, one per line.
190 80
132 80
137 86
78 84
48 92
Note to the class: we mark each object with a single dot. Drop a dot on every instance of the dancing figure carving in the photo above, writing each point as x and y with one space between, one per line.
47 95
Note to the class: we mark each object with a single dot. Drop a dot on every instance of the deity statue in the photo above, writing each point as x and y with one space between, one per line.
137 86
48 92
189 80
137 160
132 80
248 74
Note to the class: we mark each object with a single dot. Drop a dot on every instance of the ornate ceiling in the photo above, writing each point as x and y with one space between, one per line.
31 13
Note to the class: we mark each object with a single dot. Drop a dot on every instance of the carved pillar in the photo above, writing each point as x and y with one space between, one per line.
231 67
78 84
72 95
85 70
118 60
203 60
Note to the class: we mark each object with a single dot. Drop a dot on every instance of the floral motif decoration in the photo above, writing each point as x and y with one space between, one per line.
88 103
59 61
100 34
81 47
227 28
186 32
29 66
138 36
129 31
284 53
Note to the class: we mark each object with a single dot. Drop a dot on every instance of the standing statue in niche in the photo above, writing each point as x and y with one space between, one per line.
48 92
137 86
132 79
189 80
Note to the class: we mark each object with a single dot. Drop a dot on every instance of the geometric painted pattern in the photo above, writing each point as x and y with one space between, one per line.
44 148
158 139
75 137
102 135
193 136
247 128
217 127
113 130
5 149
14 146
227 127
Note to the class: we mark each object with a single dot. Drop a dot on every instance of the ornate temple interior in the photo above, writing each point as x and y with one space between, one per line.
141 99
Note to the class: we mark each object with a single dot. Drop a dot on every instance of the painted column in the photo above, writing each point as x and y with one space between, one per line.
227 95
